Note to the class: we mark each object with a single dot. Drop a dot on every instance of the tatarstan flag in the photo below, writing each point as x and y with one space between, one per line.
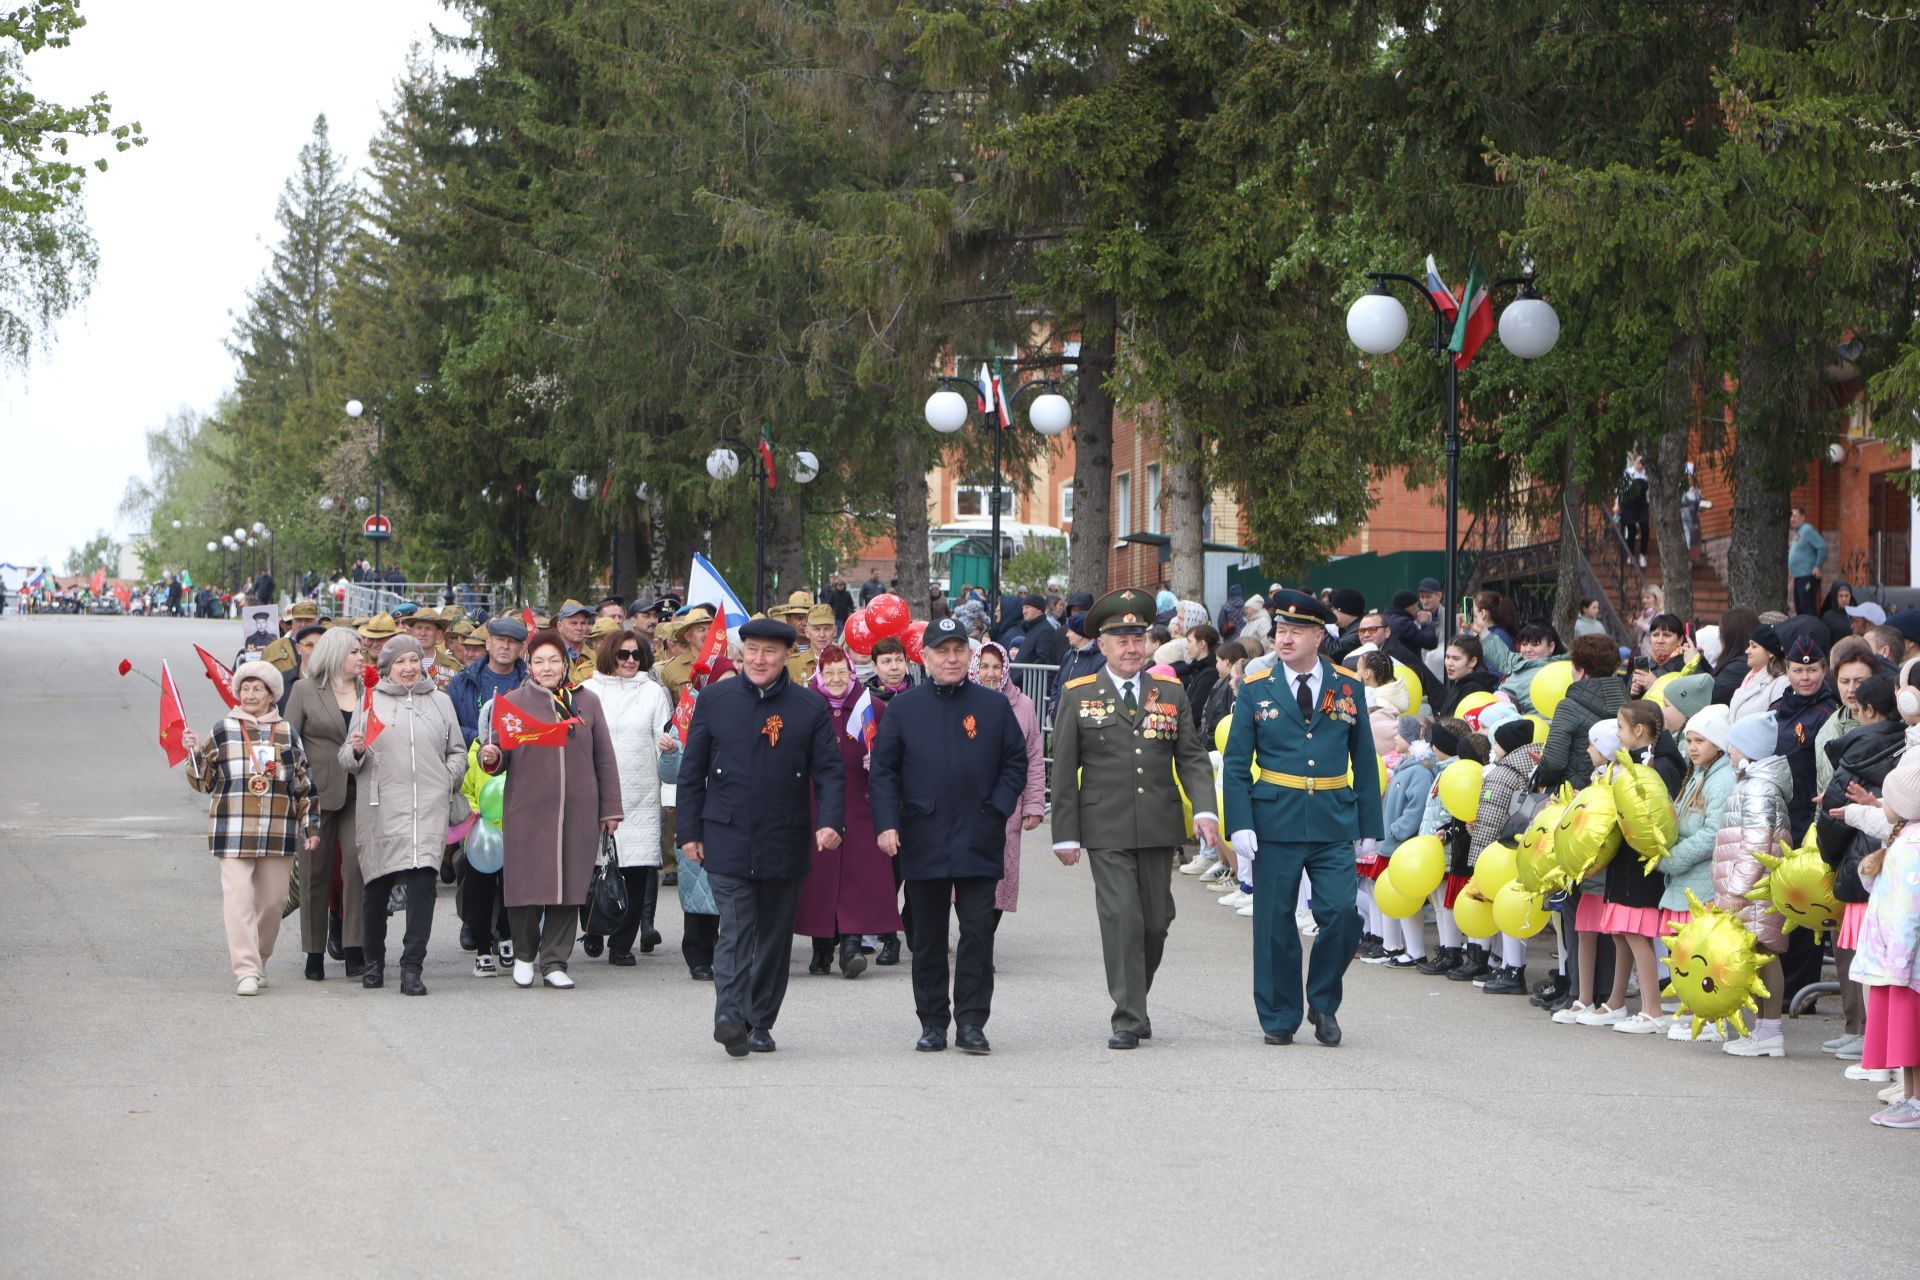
1475 323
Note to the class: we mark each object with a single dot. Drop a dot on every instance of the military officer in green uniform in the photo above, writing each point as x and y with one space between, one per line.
1119 737
1298 727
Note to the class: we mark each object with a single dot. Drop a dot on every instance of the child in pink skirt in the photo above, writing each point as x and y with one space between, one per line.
1632 911
1887 958
1603 740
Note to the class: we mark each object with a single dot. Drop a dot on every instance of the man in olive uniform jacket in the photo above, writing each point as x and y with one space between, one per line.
1119 737
1298 727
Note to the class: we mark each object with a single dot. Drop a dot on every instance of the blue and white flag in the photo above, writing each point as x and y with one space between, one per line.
706 586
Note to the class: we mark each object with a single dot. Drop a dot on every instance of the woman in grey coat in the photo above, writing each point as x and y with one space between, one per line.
319 707
408 753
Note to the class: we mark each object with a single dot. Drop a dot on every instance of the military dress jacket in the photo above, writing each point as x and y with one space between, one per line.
1300 794
1113 775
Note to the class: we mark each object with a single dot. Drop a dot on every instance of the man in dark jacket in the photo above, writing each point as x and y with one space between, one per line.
755 750
1042 641
948 767
1083 658
1349 606
1408 629
871 588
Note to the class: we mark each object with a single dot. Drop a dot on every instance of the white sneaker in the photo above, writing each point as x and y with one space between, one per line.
523 973
558 978
1643 562
1682 1029
506 950
1873 1075
1238 898
1602 1016
1892 1093
1852 1049
1756 1047
1308 926
1571 1014
1215 873
1643 1024
1199 863
1904 1114
1225 884
262 980
484 966
248 986
1382 958
1246 908
1838 1042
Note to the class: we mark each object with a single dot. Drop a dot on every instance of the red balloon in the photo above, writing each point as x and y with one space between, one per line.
859 636
887 615
911 637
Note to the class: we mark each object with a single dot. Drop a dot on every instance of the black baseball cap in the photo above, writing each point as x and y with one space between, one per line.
941 630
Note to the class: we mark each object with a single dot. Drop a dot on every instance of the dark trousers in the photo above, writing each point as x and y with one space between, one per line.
755 943
1639 533
484 910
1806 596
542 936
418 884
643 893
697 935
1276 937
972 898
1133 896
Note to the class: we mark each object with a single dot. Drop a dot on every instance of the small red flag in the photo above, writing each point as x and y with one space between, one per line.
99 580
766 456
711 648
515 727
371 725
173 719
221 677
526 616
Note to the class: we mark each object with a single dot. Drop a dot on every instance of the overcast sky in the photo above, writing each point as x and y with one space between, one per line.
227 90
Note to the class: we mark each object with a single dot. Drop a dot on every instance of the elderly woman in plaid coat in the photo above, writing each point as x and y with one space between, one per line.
262 811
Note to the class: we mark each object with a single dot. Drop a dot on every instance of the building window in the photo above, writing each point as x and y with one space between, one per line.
1153 497
1066 503
970 502
1123 504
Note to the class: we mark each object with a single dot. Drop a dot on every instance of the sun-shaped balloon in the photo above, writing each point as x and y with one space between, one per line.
1538 868
1646 810
1799 887
1714 969
1589 832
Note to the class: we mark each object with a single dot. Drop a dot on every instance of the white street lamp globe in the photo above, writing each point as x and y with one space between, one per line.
355 408
806 466
259 526
213 546
360 503
723 463
1050 414
582 488
1529 328
240 534
640 491
1376 323
226 541
946 411
177 524
326 502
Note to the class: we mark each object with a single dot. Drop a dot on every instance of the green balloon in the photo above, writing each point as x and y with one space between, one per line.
492 796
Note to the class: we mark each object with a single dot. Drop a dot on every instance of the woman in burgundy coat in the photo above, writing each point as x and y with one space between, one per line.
850 890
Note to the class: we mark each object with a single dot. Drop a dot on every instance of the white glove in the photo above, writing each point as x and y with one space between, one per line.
1367 848
1245 845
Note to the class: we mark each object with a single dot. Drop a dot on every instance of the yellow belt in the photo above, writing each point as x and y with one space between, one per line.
1301 783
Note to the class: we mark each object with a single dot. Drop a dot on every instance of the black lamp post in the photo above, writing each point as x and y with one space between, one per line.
1377 323
723 463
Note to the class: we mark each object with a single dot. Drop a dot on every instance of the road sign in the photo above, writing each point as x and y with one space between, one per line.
377 527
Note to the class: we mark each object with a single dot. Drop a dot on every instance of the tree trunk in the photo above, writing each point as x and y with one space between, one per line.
1186 497
1570 587
786 539
1667 473
1093 449
1757 553
910 551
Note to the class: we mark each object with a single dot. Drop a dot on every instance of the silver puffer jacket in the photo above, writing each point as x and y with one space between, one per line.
1754 821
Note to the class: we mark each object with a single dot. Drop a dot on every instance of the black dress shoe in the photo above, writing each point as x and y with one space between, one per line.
760 1041
852 963
1146 1030
822 962
1279 1037
1124 1040
733 1035
593 944
670 879
1473 965
1325 1029
467 942
932 1040
889 951
410 984
355 959
700 972
624 959
1507 982
333 937
1440 961
316 967
1546 993
446 877
649 937
373 976
972 1040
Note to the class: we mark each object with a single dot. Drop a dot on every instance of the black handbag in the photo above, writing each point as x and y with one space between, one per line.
607 899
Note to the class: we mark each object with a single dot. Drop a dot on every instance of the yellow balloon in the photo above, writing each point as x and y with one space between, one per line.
1498 863
1541 727
1550 684
1418 866
1646 810
1391 900
1518 913
1657 691
1799 888
1538 866
1220 732
1589 832
1473 702
1474 914
1460 789
1186 805
1715 971
1411 683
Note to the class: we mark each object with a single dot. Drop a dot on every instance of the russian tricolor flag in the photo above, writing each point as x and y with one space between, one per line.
861 721
1438 291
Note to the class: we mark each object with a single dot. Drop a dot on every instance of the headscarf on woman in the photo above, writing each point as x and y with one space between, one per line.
834 653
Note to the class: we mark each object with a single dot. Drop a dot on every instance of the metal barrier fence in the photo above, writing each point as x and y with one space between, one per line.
365 599
1036 681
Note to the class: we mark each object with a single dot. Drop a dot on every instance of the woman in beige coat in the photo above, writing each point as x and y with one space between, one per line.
410 758
319 707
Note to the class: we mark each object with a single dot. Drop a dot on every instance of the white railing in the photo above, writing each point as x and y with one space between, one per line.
365 599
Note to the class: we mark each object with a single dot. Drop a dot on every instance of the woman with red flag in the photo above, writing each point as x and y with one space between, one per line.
563 793
320 708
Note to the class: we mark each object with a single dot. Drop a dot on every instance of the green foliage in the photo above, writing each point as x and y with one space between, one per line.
100 551
1037 562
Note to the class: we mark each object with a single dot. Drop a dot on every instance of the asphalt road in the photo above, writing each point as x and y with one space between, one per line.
153 1124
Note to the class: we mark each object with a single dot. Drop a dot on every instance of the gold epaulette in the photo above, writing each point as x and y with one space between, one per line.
1262 674
1342 671
1077 681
